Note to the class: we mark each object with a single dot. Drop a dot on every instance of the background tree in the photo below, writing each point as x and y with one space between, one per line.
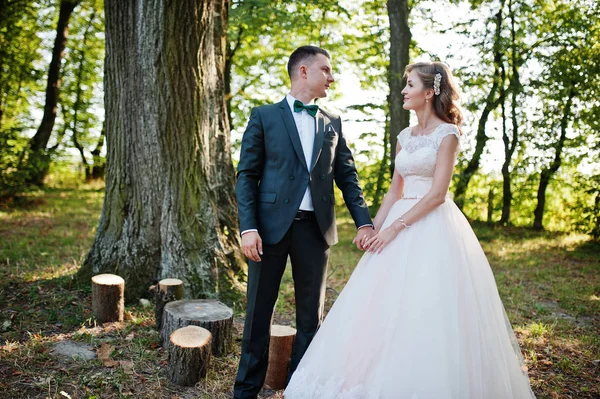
38 160
20 22
169 208
568 61
81 93
489 104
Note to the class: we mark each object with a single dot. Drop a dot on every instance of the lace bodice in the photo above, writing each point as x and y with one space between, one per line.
416 160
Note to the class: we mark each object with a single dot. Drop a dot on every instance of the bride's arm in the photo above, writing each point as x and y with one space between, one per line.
394 194
435 197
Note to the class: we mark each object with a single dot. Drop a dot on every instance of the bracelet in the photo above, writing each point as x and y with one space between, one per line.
403 223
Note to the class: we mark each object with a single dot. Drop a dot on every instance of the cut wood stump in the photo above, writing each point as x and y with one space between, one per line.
108 300
167 290
207 313
280 352
189 354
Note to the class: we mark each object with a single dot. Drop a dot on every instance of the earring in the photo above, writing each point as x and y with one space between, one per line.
426 100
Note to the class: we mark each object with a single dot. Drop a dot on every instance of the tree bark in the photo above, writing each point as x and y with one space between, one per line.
189 354
400 36
38 158
169 208
108 297
547 173
167 290
491 103
280 353
206 313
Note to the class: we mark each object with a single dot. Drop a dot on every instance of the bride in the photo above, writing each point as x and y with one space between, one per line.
420 317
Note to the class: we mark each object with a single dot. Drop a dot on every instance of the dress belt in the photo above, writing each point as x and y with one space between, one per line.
419 196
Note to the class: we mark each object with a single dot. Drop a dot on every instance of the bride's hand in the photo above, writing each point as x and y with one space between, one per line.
379 241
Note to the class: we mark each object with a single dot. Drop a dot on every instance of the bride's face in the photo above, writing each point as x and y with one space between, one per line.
414 93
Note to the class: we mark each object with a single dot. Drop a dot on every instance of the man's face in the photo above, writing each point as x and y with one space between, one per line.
318 75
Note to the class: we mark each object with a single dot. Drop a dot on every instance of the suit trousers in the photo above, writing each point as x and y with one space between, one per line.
309 254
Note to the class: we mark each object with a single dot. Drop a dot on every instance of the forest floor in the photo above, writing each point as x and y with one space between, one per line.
549 283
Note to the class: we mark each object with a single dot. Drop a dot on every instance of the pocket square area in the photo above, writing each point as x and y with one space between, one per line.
330 132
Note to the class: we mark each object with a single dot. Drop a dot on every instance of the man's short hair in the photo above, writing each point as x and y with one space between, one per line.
301 54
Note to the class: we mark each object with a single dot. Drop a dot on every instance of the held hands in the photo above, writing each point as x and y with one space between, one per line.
252 245
362 236
379 241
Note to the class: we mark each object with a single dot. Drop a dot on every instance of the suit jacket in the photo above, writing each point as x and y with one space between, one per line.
273 176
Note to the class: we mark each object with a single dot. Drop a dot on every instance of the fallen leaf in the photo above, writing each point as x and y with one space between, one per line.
104 353
546 362
66 395
554 395
127 366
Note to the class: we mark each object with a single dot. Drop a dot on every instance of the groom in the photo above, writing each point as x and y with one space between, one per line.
291 154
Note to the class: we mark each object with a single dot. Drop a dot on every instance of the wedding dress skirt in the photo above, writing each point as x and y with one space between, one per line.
421 320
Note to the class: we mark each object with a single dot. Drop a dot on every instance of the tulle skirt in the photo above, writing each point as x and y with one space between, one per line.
421 320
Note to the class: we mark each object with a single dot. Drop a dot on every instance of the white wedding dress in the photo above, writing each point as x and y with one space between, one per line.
422 319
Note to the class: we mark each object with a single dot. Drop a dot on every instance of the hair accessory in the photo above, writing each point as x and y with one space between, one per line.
436 83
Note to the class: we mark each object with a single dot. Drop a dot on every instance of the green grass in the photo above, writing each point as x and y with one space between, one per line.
549 283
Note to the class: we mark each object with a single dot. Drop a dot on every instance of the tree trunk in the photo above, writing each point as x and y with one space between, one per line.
547 173
400 36
38 158
491 103
510 145
78 104
169 208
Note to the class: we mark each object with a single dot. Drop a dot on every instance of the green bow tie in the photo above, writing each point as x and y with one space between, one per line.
311 109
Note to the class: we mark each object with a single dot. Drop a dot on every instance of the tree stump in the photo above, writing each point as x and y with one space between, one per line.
280 352
108 300
207 313
189 354
167 290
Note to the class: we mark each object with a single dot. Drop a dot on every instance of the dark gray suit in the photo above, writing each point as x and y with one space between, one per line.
271 181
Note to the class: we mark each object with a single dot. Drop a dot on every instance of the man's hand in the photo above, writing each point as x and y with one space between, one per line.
252 245
362 236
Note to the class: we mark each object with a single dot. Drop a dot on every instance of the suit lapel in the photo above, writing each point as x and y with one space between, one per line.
290 124
320 134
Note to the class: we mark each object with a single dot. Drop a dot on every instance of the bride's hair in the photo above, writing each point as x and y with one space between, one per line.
445 104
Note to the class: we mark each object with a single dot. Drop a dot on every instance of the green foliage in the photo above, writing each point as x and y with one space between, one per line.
21 71
261 36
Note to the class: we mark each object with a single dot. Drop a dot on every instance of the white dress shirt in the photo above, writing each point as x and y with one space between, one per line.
306 126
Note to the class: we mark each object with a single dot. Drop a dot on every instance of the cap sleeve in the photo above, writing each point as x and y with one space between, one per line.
447 130
402 136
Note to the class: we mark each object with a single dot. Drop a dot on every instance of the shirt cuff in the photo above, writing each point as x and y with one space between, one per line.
247 231
364 225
